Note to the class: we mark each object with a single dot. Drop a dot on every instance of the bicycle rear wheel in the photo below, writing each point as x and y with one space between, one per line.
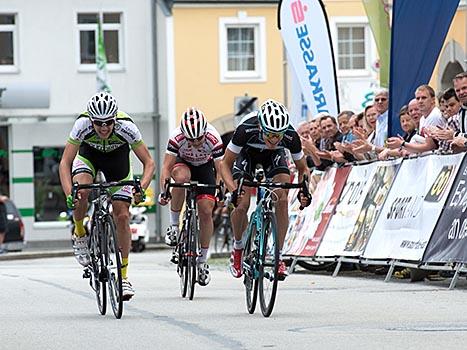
249 265
98 280
269 265
191 256
114 265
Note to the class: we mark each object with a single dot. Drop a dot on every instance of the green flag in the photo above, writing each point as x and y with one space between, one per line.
378 16
101 61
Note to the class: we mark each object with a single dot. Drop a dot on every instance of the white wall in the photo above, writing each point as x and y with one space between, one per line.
49 51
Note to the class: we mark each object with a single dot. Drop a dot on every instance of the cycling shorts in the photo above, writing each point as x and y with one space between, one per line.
204 173
113 169
274 162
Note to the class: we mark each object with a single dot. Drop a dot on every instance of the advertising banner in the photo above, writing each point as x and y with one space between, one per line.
304 235
346 213
412 208
305 31
448 242
380 184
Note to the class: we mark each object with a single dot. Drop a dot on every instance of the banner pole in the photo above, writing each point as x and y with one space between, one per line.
338 266
292 266
455 278
391 270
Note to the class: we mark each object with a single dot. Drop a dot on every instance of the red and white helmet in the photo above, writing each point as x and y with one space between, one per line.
193 123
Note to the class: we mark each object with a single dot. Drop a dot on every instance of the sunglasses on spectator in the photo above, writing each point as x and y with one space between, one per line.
195 139
381 99
107 122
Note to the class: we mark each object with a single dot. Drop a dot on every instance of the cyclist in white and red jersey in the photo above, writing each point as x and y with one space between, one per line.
194 153
101 139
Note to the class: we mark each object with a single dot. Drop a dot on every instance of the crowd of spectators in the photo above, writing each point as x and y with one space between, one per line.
429 123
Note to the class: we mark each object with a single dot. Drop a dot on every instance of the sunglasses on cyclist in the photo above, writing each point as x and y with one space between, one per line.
272 135
195 139
108 122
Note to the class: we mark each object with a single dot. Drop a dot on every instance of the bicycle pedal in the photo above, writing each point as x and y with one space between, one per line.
174 259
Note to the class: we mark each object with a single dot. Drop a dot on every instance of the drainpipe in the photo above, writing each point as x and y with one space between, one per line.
156 116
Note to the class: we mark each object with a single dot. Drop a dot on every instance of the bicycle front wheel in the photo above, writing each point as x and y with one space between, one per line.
97 266
269 265
181 250
250 271
191 256
113 261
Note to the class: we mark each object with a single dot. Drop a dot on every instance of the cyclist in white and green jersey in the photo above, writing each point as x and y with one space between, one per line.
101 139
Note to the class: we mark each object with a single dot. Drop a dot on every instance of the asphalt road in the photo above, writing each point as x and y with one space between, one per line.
47 305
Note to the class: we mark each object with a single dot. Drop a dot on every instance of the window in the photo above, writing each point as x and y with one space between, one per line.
87 31
8 46
49 200
242 45
351 47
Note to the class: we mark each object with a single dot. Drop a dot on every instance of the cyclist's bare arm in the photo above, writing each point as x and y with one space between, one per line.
167 165
302 168
217 166
68 156
225 167
144 156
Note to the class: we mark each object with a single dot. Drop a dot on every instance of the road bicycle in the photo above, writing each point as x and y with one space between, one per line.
188 246
260 262
105 266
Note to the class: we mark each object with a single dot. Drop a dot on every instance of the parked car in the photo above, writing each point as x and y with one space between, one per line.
14 237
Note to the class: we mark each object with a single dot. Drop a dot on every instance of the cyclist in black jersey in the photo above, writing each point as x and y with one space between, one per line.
262 138
101 139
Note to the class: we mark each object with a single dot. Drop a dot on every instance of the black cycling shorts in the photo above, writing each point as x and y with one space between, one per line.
204 173
274 162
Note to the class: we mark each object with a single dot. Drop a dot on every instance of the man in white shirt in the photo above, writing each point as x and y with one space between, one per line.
381 104
431 115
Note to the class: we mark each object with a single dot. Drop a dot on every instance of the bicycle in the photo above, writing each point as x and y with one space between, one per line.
260 261
222 238
187 248
105 266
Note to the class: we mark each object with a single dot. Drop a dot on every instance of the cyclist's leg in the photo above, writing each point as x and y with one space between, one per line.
239 216
180 173
83 172
121 215
278 170
282 214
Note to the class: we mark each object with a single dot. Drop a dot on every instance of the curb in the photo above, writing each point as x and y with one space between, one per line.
51 253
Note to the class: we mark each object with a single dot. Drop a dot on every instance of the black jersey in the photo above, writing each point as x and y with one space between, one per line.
248 138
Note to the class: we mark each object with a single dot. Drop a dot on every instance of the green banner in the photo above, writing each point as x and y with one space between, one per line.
378 16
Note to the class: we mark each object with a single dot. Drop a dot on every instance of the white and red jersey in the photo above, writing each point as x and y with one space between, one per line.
212 147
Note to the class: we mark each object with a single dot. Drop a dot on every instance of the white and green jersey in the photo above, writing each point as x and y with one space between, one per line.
125 133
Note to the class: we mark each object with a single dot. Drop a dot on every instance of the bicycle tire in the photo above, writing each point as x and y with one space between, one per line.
191 256
113 262
249 265
269 265
182 262
97 280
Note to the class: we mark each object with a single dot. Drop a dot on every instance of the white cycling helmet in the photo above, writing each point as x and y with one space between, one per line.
193 123
102 106
273 117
